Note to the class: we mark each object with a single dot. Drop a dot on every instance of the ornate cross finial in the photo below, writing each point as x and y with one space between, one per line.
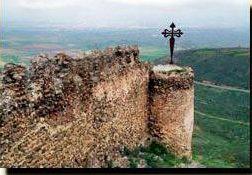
172 33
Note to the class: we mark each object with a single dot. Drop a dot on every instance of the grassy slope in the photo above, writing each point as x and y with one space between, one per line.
221 135
225 103
155 156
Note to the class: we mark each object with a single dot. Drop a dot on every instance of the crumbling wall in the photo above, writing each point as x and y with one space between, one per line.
74 112
172 108
85 111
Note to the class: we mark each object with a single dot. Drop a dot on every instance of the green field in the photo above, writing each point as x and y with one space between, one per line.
221 135
152 53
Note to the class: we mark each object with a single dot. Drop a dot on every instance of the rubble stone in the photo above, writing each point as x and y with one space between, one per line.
172 108
83 111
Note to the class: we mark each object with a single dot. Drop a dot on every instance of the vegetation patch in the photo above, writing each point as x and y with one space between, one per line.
155 156
177 70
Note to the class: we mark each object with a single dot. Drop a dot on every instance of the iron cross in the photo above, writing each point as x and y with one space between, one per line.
172 33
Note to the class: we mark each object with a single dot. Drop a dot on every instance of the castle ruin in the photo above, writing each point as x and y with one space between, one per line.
84 111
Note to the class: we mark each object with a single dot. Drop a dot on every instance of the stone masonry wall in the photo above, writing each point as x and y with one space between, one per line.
172 108
81 112
85 111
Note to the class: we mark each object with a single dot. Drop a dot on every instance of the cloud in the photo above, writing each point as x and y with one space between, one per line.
127 12
182 3
171 4
46 4
144 2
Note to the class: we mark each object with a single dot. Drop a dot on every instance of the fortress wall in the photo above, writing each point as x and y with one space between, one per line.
85 111
78 112
172 108
120 115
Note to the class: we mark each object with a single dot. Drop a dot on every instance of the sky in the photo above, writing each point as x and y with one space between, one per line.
126 13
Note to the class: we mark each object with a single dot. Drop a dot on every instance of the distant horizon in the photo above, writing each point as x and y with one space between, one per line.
83 14
71 28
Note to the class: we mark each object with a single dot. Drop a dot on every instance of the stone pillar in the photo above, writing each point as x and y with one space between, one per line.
172 107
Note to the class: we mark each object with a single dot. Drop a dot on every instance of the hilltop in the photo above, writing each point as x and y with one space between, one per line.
220 66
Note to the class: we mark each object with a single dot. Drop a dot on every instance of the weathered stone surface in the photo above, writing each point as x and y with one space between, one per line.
172 108
79 112
84 111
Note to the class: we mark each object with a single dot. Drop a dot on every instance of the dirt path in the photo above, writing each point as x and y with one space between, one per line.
222 87
219 118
